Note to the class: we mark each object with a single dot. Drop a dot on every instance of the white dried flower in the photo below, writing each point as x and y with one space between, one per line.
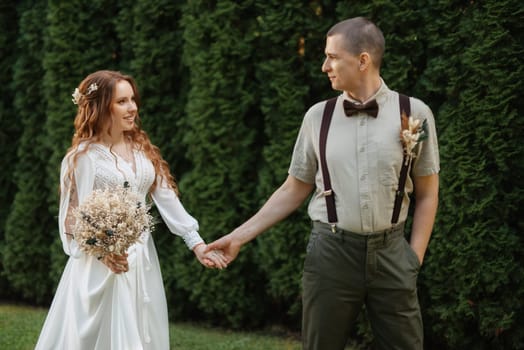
77 94
91 88
412 132
111 220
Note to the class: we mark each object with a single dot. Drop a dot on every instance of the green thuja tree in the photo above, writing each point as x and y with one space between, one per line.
439 82
80 39
404 59
125 38
9 126
156 42
223 127
290 42
473 273
29 225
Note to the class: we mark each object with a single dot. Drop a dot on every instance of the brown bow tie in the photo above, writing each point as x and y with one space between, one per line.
371 108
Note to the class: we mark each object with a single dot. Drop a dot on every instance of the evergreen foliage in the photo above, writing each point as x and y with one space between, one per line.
223 126
9 127
224 86
476 296
29 224
283 30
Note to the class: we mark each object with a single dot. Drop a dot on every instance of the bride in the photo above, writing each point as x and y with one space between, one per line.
115 301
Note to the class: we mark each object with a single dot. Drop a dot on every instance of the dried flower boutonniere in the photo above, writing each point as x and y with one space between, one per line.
412 132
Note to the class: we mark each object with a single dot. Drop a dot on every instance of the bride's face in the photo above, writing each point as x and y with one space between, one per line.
123 108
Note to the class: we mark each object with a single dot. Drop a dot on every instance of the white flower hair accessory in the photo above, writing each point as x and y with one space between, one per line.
77 94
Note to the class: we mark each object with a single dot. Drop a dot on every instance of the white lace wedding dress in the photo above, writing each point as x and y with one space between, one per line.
94 308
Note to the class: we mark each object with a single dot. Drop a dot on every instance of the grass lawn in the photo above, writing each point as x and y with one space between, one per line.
20 327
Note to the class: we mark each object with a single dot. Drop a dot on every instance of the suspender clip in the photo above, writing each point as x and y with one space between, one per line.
333 227
327 193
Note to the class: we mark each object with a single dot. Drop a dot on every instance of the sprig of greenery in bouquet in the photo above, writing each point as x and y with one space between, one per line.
110 220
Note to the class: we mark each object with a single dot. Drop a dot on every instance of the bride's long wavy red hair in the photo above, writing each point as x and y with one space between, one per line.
93 118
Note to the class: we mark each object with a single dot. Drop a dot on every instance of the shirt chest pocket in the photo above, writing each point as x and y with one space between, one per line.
389 162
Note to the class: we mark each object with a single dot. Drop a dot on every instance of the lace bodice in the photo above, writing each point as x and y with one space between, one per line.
99 168
110 170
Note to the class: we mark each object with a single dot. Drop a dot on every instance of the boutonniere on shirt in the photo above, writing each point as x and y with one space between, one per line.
412 132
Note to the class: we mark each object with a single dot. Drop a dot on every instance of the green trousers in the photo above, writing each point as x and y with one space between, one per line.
344 271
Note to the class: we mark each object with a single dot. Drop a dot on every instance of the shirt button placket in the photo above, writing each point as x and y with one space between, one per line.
363 171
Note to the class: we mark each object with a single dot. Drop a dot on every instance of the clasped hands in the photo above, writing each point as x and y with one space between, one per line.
220 253
217 254
209 258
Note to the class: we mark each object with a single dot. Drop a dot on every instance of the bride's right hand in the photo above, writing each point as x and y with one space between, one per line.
116 263
212 259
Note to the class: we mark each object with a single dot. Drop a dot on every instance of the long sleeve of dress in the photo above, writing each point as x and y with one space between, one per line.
175 215
75 185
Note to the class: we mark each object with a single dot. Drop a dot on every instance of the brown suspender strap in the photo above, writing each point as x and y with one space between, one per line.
405 107
328 191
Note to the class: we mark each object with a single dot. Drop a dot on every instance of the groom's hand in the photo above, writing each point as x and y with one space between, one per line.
211 259
229 246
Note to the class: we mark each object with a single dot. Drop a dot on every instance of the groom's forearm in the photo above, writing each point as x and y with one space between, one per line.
284 201
426 189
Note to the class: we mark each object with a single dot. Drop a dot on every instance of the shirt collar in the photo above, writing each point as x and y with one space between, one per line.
379 95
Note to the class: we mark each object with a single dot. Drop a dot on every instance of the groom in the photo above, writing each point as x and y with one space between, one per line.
361 257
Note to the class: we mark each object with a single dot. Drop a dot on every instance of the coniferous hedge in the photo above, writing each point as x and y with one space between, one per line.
9 128
29 225
223 128
224 87
473 278
289 33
